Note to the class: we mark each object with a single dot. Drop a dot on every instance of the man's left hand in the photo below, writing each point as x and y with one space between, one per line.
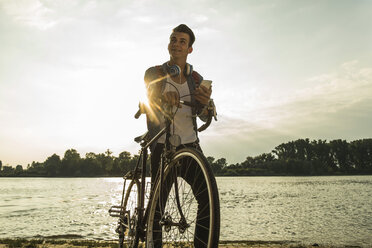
203 94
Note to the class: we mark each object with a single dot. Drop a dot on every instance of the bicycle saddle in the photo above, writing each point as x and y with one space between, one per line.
141 137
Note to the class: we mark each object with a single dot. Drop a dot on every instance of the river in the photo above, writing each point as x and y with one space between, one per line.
335 210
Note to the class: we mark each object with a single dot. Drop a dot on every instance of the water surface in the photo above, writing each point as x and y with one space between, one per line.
326 210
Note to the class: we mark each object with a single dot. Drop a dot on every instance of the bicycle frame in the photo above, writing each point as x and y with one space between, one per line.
139 173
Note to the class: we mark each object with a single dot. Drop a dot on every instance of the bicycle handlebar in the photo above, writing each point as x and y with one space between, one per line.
142 108
211 112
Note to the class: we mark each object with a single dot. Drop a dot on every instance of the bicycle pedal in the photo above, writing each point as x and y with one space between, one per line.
116 211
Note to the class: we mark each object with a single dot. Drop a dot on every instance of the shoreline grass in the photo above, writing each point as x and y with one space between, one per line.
83 243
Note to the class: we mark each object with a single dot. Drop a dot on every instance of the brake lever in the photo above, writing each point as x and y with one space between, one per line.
187 103
213 108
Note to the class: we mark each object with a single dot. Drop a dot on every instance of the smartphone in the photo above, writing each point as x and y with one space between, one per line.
206 83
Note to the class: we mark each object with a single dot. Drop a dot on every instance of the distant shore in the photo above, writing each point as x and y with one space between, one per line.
81 243
302 157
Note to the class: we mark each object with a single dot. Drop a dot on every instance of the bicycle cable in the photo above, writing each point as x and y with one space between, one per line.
173 114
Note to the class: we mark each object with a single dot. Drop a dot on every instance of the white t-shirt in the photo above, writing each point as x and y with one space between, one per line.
182 124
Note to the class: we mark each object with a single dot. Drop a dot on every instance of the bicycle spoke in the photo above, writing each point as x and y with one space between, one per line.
200 240
202 218
204 227
193 199
200 192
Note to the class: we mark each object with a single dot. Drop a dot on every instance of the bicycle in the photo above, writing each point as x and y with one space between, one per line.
182 208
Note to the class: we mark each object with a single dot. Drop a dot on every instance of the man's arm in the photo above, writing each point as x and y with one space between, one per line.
153 78
202 96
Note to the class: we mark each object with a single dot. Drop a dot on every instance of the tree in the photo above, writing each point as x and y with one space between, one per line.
107 162
18 170
322 154
52 165
36 169
70 163
248 163
341 155
218 165
124 162
91 166
285 151
362 155
8 171
303 149
210 160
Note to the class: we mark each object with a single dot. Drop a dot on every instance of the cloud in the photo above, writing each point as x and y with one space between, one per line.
327 93
31 13
338 105
93 53
200 18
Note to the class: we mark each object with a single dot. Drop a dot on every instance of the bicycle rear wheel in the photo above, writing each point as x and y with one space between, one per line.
129 221
190 177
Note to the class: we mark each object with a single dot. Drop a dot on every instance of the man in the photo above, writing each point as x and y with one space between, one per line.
161 83
173 81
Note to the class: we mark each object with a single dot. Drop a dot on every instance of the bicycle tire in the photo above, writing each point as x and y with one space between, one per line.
199 199
130 203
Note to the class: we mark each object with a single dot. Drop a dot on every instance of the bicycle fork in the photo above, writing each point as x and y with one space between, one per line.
166 220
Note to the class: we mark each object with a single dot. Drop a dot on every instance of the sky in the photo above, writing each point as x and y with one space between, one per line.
71 72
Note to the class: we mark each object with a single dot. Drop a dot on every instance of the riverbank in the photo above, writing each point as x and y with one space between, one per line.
56 243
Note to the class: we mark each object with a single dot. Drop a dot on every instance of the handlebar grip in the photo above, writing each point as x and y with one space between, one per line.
207 123
211 113
138 114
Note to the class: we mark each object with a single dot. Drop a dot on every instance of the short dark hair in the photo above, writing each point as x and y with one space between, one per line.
185 29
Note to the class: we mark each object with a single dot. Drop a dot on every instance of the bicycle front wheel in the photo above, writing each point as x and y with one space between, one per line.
185 210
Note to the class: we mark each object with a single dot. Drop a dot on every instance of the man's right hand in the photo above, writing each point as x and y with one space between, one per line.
172 98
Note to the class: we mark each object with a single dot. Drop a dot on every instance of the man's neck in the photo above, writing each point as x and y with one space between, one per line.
180 62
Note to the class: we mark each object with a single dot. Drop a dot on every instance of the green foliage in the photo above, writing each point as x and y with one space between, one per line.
218 165
303 157
299 157
73 165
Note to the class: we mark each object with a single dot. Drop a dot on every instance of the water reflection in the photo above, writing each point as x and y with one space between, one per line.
334 210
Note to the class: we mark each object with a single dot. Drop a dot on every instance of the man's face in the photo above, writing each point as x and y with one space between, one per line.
178 46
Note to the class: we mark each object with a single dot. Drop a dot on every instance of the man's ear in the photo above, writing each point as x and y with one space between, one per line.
190 49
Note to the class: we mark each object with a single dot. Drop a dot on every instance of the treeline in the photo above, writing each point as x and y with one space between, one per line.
300 157
73 165
307 158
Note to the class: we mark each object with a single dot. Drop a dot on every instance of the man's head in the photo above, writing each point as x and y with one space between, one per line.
180 42
182 28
